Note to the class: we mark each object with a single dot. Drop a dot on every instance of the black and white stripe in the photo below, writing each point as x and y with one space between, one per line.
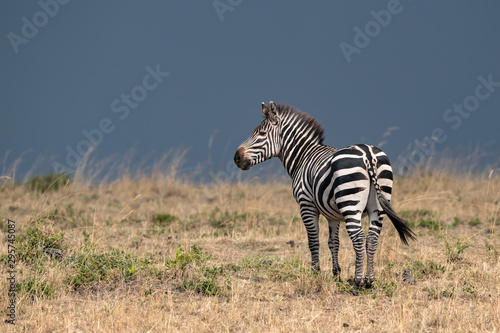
342 185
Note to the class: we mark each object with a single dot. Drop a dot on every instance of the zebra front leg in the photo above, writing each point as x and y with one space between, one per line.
333 244
355 232
310 216
375 218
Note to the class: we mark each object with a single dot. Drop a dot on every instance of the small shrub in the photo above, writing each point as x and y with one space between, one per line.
35 288
164 220
436 294
388 288
256 262
429 224
422 218
206 280
49 181
34 240
427 268
95 267
456 222
182 259
474 222
4 259
454 252
469 288
88 246
213 281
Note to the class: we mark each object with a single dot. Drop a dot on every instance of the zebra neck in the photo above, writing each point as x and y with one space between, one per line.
295 153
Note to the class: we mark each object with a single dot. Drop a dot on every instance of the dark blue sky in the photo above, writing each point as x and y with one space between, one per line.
358 67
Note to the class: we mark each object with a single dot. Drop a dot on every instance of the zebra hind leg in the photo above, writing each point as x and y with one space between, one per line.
333 244
355 232
375 227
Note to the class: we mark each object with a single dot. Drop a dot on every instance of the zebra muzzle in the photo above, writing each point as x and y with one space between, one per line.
240 160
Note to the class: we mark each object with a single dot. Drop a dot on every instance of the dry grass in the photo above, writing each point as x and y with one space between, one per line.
204 259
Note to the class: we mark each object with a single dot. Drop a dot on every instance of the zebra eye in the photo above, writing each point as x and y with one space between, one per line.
262 133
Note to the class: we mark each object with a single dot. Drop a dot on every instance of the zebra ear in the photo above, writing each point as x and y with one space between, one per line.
272 107
272 112
265 110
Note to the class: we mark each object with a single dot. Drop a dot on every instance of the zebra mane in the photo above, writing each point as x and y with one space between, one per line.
291 113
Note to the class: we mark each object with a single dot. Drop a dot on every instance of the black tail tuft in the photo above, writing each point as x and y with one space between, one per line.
403 229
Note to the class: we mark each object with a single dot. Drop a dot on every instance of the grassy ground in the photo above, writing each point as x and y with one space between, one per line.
162 255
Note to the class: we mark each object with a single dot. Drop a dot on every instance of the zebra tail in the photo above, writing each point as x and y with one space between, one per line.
401 226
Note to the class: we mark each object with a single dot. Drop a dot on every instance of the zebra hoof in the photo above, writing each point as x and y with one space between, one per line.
357 289
337 278
368 283
336 275
358 285
315 267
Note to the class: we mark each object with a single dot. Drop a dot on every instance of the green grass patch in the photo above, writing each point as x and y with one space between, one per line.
211 281
472 222
199 276
224 219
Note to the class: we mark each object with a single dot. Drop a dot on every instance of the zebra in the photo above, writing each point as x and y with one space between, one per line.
340 184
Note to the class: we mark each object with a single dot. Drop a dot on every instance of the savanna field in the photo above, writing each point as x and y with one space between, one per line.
157 253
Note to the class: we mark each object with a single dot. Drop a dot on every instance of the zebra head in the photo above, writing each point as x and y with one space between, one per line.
264 142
